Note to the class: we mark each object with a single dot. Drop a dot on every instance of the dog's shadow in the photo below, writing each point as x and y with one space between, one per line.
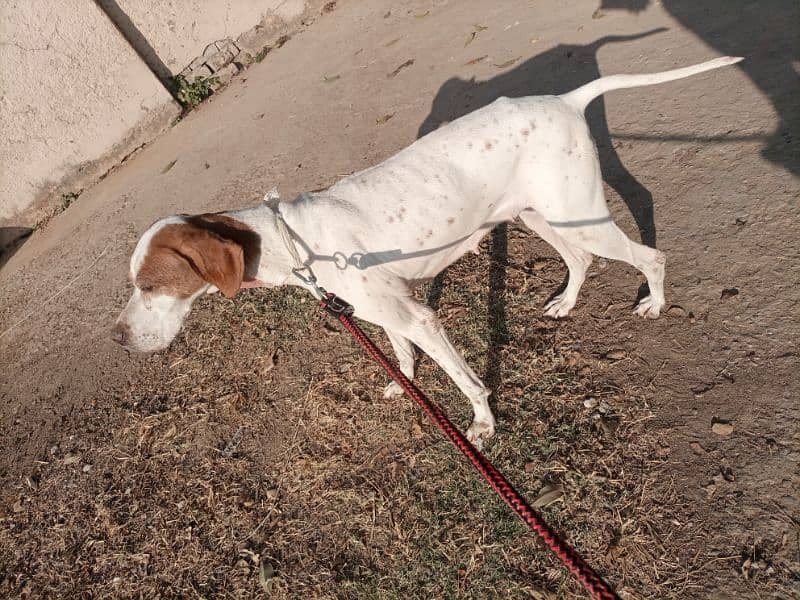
767 34
556 71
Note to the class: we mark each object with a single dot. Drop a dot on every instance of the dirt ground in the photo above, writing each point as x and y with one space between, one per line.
256 456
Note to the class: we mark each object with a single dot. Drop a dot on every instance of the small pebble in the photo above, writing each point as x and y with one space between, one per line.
590 403
722 428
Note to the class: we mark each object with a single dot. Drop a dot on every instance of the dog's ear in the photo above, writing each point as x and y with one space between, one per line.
217 260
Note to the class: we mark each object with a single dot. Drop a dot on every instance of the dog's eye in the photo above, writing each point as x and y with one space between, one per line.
146 289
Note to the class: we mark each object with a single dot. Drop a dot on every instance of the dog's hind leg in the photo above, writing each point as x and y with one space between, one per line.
607 240
577 261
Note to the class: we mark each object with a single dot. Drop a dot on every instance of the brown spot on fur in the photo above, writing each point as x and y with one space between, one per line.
450 220
488 145
526 132
469 145
363 278
390 219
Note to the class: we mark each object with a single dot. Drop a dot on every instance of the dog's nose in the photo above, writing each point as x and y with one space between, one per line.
120 333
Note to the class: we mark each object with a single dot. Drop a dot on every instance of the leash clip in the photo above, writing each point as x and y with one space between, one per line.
336 306
310 280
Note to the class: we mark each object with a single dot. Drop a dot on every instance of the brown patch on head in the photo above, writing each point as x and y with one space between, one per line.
230 229
165 270
487 144
183 257
450 220
526 132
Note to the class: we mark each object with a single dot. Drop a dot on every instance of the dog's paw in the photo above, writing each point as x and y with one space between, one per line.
392 391
558 307
480 431
648 308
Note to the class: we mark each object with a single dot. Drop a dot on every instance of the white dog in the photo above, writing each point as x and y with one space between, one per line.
376 234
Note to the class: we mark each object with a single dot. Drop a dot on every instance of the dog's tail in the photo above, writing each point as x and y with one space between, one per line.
581 97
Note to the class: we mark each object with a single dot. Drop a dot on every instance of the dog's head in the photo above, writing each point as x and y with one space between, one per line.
176 260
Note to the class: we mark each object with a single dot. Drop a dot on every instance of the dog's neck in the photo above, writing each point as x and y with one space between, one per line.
275 263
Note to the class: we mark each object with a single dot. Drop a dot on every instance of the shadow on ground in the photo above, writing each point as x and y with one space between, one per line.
11 240
767 34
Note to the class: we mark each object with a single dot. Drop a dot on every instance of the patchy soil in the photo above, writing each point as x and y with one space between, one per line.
256 455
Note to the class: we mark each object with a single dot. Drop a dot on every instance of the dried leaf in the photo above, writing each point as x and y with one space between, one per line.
598 14
602 425
480 27
394 73
393 42
423 15
383 119
330 79
269 362
475 61
470 37
727 473
508 63
265 573
729 293
697 448
233 443
416 431
618 354
71 459
548 495
169 166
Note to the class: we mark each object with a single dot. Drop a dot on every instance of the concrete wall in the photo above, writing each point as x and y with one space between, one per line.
180 30
72 92
75 97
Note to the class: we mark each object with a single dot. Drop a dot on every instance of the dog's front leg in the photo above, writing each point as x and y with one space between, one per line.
404 350
419 324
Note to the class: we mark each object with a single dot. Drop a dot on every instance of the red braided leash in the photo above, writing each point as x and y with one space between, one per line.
598 588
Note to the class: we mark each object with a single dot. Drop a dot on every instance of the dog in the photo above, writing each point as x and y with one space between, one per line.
376 234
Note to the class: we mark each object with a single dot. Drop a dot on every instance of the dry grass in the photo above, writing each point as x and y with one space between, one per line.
260 443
